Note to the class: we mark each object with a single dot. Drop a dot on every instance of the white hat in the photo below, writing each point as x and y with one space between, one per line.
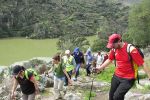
67 52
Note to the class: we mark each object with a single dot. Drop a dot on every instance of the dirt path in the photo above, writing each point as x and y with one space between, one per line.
101 96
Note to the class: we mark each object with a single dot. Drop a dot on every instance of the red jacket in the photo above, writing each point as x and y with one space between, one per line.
124 68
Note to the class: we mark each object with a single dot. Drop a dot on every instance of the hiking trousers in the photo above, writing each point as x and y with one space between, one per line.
88 67
66 79
119 87
28 97
77 70
58 86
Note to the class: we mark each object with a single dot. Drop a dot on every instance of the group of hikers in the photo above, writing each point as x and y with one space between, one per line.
67 65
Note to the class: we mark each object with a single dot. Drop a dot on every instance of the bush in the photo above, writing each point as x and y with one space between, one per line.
107 74
100 45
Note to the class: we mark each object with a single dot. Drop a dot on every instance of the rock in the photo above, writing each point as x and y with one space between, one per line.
47 60
46 81
39 63
2 68
33 62
49 83
137 96
71 96
2 72
145 97
5 89
132 96
86 84
102 95
26 64
141 72
145 82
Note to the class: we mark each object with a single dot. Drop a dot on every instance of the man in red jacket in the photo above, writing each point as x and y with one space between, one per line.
124 76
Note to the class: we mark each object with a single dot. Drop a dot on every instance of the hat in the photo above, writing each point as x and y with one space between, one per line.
113 39
76 50
67 52
17 69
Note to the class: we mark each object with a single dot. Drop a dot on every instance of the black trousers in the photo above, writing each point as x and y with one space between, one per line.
66 79
119 87
88 66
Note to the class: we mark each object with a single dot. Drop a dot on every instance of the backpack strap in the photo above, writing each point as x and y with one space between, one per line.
114 50
27 71
128 51
130 59
26 74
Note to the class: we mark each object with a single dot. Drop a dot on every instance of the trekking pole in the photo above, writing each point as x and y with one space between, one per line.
91 88
94 72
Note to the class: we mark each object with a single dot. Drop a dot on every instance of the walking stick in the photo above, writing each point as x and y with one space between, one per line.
94 72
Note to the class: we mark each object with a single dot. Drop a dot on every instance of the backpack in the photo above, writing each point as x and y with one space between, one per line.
139 50
135 66
30 70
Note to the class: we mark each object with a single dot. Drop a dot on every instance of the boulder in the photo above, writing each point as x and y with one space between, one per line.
137 96
145 97
46 81
71 96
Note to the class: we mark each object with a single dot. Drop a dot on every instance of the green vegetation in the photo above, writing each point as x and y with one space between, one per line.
139 24
13 50
107 74
71 41
87 94
39 19
100 44
17 49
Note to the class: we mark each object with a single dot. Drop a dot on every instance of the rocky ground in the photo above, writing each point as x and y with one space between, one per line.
78 91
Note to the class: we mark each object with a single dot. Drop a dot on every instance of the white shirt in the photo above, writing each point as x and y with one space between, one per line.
100 59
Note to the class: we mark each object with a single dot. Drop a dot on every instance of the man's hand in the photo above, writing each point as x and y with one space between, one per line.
99 69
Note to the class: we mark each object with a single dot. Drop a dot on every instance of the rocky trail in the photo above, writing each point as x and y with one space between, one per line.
80 89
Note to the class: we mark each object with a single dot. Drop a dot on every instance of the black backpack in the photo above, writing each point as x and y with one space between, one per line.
139 50
130 58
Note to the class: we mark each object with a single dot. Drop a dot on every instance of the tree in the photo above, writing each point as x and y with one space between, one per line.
41 19
139 23
114 16
70 41
100 45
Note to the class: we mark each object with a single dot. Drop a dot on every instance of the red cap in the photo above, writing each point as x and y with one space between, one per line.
112 39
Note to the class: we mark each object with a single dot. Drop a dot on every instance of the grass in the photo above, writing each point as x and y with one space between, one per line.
87 95
18 49
12 50
107 74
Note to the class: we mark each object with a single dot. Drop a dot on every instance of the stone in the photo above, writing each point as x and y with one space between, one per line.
145 97
71 96
46 81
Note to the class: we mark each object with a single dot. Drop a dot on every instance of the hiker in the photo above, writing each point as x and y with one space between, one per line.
105 57
59 76
99 59
125 75
89 59
29 86
79 59
69 63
